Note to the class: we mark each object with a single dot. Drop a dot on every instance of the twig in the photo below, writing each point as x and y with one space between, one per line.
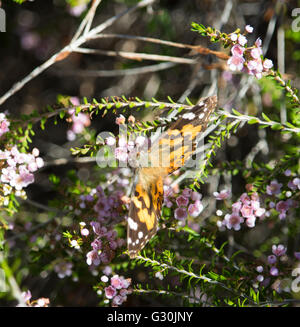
117 72
136 56
67 50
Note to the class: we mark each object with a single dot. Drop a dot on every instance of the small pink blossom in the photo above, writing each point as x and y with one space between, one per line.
274 271
233 221
249 28
272 259
195 209
182 201
110 292
223 195
258 42
4 124
236 63
233 37
247 211
196 196
116 282
268 64
120 120
274 188
187 192
242 40
278 250
92 257
237 50
255 53
250 221
181 213
26 295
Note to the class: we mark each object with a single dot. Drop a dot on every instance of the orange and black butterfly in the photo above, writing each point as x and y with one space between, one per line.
168 154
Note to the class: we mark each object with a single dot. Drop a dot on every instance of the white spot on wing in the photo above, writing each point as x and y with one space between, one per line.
140 234
132 224
201 115
189 115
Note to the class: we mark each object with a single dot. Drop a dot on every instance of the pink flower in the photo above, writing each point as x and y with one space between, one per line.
182 201
249 28
259 212
258 42
244 198
242 40
268 64
92 257
272 259
237 50
223 195
247 211
84 232
125 282
233 221
118 300
278 250
195 196
4 124
110 292
233 37
255 53
26 295
181 213
282 207
274 188
274 271
250 221
195 209
236 63
116 282
120 120
259 269
187 192
236 207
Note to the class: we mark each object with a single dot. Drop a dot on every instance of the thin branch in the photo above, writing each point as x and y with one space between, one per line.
136 56
87 19
67 50
117 72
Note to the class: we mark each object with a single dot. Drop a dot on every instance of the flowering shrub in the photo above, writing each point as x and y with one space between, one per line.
229 227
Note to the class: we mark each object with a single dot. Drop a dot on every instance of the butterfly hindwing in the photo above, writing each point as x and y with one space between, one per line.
144 211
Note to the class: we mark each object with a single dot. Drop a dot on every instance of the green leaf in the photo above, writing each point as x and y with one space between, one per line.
266 117
253 121
277 127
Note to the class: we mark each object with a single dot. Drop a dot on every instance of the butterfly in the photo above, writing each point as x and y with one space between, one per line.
168 153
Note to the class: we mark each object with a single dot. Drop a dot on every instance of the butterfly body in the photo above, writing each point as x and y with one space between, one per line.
168 153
